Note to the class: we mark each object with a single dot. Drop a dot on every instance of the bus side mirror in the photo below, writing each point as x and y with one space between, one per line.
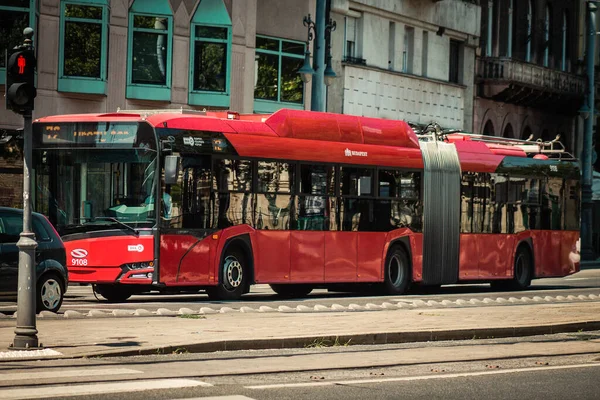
171 169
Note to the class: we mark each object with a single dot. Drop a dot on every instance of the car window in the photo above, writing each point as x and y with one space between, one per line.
41 234
10 227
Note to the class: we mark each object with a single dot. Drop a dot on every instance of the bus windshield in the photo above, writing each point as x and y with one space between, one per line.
87 189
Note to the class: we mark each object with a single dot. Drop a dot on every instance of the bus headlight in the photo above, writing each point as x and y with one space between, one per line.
140 265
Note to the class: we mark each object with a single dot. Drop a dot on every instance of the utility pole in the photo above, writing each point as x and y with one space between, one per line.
317 101
587 251
20 95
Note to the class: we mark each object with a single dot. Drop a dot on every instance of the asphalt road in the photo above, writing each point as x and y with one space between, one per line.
563 366
82 299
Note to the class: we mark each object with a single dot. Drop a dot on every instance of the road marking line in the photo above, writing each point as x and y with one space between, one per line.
65 373
579 279
98 388
232 397
29 353
419 378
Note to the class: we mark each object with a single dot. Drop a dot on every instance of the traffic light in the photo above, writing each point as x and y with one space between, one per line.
20 81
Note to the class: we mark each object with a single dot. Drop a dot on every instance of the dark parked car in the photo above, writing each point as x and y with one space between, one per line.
50 258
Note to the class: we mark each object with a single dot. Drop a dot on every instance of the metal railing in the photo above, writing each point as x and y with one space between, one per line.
354 60
508 69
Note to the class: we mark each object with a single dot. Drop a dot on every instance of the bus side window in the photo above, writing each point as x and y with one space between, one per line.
317 183
571 209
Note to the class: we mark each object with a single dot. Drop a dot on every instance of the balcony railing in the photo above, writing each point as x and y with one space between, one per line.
513 71
354 60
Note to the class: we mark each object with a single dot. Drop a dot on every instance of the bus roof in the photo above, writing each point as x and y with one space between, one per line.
297 124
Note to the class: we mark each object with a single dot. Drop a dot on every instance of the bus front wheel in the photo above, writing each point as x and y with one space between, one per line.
291 291
113 293
397 272
233 276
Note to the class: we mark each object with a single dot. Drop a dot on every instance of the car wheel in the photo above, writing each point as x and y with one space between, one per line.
233 276
397 277
113 293
50 293
291 291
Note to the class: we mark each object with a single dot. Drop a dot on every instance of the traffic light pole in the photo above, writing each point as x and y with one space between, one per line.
26 331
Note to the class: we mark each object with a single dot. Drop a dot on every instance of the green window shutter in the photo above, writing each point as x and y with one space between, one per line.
149 50
83 31
210 55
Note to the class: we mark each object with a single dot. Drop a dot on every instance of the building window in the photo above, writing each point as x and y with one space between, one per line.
488 129
424 53
210 55
508 132
278 83
490 29
408 50
547 37
391 45
565 41
350 48
529 37
454 61
149 50
83 49
509 41
15 15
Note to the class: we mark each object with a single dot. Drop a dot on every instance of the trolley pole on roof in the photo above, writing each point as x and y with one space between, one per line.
589 109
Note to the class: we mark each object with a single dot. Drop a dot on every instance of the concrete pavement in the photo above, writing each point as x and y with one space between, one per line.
119 336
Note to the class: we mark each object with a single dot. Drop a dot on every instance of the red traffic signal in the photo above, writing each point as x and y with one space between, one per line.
20 81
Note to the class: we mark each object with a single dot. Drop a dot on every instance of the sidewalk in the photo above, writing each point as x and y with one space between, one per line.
112 336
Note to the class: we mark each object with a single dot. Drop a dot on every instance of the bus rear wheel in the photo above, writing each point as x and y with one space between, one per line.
233 276
291 291
397 272
113 293
522 272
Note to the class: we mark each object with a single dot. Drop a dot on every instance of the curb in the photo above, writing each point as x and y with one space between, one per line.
352 340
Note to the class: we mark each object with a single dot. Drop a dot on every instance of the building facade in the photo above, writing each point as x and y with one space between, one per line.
529 70
411 60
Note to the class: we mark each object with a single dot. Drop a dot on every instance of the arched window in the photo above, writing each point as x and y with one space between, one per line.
526 133
488 129
529 31
547 23
565 41
508 132
509 41
546 135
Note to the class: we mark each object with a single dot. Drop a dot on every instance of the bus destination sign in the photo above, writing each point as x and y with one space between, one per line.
89 133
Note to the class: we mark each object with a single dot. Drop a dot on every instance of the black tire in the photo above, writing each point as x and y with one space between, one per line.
50 293
113 293
523 269
233 276
291 291
522 272
397 272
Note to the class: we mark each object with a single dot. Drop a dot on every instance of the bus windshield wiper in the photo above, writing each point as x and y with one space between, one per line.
123 224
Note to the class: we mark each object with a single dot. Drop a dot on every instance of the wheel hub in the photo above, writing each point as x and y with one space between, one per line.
233 272
50 294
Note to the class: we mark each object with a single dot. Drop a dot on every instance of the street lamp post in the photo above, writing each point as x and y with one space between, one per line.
321 72
589 113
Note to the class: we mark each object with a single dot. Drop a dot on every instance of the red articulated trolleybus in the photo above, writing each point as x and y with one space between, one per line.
216 201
